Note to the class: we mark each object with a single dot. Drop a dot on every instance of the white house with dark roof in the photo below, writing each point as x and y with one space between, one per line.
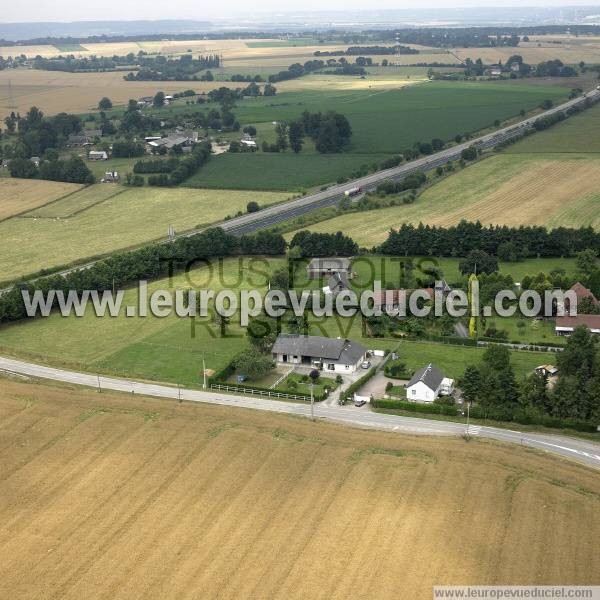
339 355
427 384
326 267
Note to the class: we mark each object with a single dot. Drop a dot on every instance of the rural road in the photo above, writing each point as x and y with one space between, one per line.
267 217
579 450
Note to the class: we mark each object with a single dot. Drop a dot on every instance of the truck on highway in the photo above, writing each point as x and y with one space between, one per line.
352 192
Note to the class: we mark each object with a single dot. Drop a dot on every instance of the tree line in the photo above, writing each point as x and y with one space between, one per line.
150 262
461 239
575 397
184 68
375 50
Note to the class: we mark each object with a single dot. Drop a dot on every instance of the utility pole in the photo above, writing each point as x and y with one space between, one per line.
312 402
468 415
179 392
203 373
99 388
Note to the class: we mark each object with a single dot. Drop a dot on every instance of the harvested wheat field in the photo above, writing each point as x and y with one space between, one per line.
56 92
525 189
535 52
21 195
104 496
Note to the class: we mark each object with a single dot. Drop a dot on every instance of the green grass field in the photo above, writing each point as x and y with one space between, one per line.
387 121
384 121
120 165
77 202
388 269
171 348
579 134
508 189
133 217
66 47
277 171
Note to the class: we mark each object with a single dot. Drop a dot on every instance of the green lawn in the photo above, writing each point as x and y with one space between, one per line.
387 269
303 387
171 348
166 349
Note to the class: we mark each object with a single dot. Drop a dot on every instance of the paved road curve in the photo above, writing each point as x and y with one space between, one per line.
570 448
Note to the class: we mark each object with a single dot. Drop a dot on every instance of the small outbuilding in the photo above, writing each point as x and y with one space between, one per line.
97 155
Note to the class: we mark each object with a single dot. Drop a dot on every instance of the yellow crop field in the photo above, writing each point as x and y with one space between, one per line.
133 217
30 51
534 52
55 92
105 496
552 190
20 195
343 83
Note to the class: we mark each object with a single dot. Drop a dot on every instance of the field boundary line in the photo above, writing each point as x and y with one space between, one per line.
76 212
22 214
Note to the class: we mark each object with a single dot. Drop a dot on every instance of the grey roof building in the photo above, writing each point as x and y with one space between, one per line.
337 283
323 267
430 375
334 354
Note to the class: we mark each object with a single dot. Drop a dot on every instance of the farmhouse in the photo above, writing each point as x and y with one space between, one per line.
326 267
581 292
427 384
172 141
332 354
75 140
97 155
567 325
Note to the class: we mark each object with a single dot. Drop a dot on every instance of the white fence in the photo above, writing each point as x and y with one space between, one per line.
244 390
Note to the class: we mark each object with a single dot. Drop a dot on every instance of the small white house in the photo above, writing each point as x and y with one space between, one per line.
427 384
97 155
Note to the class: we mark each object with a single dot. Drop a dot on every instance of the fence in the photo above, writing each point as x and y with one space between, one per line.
244 390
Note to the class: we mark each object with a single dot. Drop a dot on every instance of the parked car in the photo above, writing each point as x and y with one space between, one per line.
366 364
359 403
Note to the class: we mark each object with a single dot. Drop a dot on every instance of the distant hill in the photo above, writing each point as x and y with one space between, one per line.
13 32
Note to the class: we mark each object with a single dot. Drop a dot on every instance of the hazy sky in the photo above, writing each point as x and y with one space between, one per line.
111 10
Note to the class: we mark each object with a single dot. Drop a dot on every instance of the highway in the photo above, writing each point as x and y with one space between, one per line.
267 217
270 216
583 451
